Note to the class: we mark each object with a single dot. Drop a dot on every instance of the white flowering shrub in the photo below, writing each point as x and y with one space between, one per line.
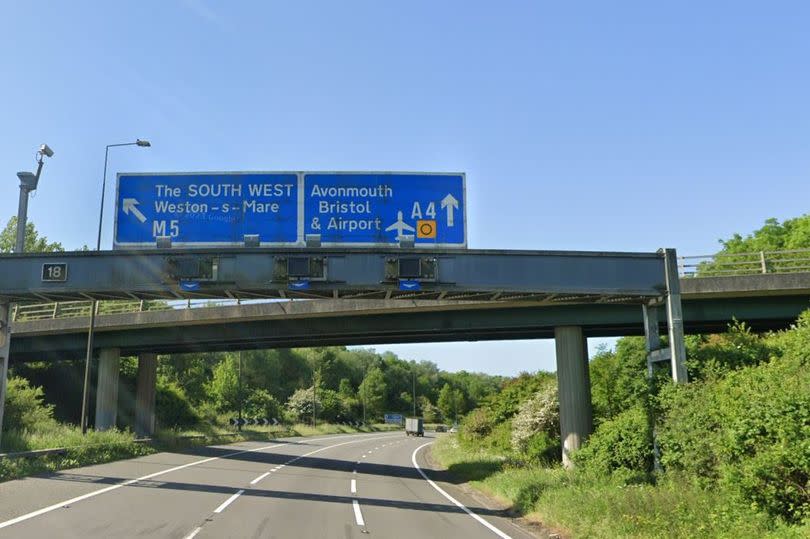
540 414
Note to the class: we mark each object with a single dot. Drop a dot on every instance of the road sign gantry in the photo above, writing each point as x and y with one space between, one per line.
556 276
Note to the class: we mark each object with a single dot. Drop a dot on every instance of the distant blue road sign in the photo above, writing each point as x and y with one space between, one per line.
396 419
284 208
380 209
207 208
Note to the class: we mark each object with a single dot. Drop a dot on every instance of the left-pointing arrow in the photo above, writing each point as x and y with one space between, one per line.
130 205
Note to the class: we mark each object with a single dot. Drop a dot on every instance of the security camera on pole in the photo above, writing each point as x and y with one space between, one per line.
28 183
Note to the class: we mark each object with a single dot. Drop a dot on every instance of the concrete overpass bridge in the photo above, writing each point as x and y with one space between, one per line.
59 330
386 297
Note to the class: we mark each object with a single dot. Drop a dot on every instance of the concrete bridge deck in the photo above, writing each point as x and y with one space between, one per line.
765 302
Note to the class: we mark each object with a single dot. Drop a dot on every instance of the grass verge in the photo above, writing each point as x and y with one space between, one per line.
578 505
108 446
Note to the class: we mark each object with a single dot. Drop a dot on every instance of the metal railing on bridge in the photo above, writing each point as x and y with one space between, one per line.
27 312
734 264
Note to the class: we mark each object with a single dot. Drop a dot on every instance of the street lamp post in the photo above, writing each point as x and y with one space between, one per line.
94 303
239 393
28 183
414 392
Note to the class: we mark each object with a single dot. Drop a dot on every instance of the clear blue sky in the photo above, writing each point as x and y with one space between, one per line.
587 125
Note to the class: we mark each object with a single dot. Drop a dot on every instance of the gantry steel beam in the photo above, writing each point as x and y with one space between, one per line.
553 276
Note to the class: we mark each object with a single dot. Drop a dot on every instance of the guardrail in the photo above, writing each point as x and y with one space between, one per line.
731 264
26 312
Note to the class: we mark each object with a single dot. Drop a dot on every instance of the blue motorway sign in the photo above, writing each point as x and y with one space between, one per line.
383 208
287 208
396 419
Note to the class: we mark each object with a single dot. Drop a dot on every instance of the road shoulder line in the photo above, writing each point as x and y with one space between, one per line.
457 503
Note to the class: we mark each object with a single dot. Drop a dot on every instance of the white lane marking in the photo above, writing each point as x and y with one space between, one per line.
354 486
193 534
460 505
358 516
265 474
228 502
364 456
128 482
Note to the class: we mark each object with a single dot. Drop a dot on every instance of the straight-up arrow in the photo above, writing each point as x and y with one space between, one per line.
451 204
130 205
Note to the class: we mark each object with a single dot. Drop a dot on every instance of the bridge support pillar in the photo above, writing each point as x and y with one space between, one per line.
574 383
109 365
5 347
145 395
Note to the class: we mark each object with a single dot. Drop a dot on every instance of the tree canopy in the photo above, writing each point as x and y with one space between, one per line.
34 243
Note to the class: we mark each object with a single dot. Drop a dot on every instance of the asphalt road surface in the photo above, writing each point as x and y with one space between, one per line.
342 486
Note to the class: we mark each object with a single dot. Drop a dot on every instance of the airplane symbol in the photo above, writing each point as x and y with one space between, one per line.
400 226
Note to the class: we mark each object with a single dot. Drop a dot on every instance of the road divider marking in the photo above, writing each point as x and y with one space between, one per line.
358 516
193 534
265 474
458 504
128 482
228 502
354 486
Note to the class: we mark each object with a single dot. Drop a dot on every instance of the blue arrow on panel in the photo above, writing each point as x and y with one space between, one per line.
410 285
299 285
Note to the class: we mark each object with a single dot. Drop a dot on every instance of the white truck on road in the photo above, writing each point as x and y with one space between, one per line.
414 426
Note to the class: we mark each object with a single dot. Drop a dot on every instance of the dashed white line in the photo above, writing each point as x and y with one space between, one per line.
358 516
354 486
460 505
228 502
128 482
265 474
193 534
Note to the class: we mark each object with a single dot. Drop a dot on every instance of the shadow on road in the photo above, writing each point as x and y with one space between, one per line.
270 459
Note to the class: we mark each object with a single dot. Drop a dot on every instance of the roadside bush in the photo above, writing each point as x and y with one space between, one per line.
712 356
299 405
749 431
261 404
621 444
477 424
540 414
25 407
330 405
172 407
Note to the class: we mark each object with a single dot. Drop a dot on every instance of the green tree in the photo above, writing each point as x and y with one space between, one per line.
372 393
223 388
33 242
773 236
451 402
261 404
